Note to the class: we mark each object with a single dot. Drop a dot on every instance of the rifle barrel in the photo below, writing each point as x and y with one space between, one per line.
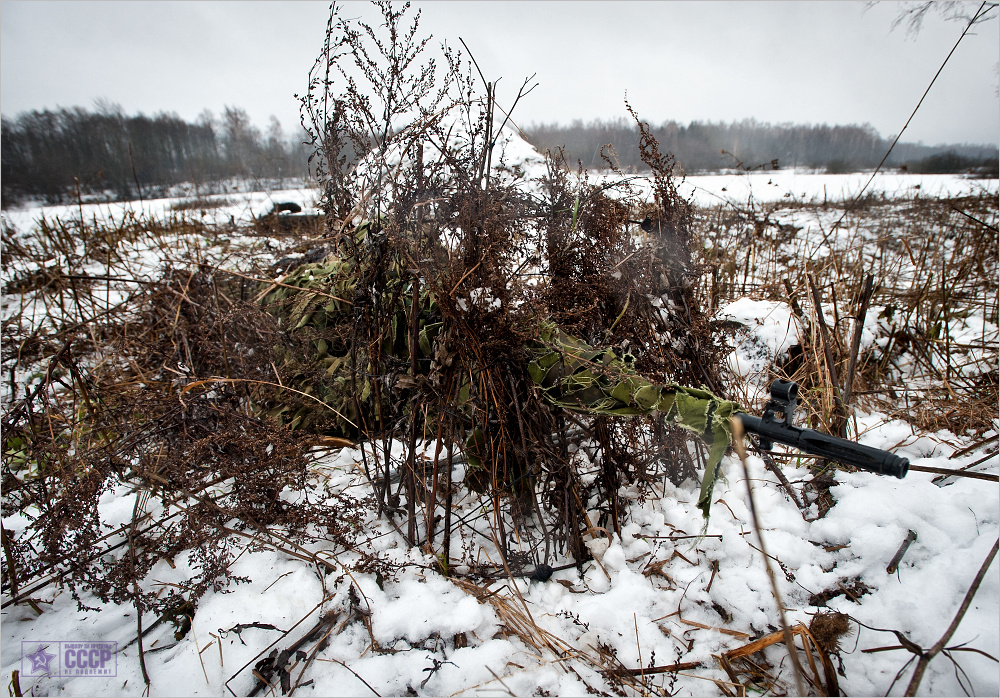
819 444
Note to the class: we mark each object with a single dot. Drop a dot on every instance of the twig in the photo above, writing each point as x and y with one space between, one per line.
726 631
928 655
666 669
135 588
737 427
956 209
276 283
956 473
312 655
973 447
355 674
509 692
891 648
773 467
195 384
899 135
297 624
979 461
638 647
200 660
828 354
11 568
852 364
894 562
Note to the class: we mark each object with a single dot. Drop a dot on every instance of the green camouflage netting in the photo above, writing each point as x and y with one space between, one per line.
578 377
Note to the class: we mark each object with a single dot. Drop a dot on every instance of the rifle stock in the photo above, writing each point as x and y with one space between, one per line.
775 427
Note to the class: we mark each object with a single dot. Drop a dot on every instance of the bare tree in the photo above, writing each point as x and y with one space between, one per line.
912 15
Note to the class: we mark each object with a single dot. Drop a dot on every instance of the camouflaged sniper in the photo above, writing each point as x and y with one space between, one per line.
571 374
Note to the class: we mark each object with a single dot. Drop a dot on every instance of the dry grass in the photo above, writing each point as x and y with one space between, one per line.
933 264
202 203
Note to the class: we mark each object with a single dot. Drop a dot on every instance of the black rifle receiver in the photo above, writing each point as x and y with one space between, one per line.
776 426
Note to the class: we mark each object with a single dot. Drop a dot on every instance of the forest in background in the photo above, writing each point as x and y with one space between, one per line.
749 144
57 156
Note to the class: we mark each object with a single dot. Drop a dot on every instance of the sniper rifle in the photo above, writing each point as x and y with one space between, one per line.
776 426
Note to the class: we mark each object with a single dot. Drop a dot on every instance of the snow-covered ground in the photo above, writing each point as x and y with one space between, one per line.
668 616
660 594
812 187
239 207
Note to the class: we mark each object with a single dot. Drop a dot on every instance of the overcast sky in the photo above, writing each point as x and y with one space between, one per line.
779 62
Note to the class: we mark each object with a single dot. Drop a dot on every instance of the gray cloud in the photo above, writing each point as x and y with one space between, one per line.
802 62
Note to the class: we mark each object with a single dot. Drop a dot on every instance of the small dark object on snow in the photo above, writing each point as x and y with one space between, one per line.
542 573
288 217
829 629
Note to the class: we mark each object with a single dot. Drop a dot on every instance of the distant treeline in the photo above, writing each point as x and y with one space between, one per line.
54 155
51 155
749 144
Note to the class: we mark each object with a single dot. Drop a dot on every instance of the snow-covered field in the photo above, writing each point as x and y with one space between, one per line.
240 207
660 594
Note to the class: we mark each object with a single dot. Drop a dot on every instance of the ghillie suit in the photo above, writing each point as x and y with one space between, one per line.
520 321
491 305
321 301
